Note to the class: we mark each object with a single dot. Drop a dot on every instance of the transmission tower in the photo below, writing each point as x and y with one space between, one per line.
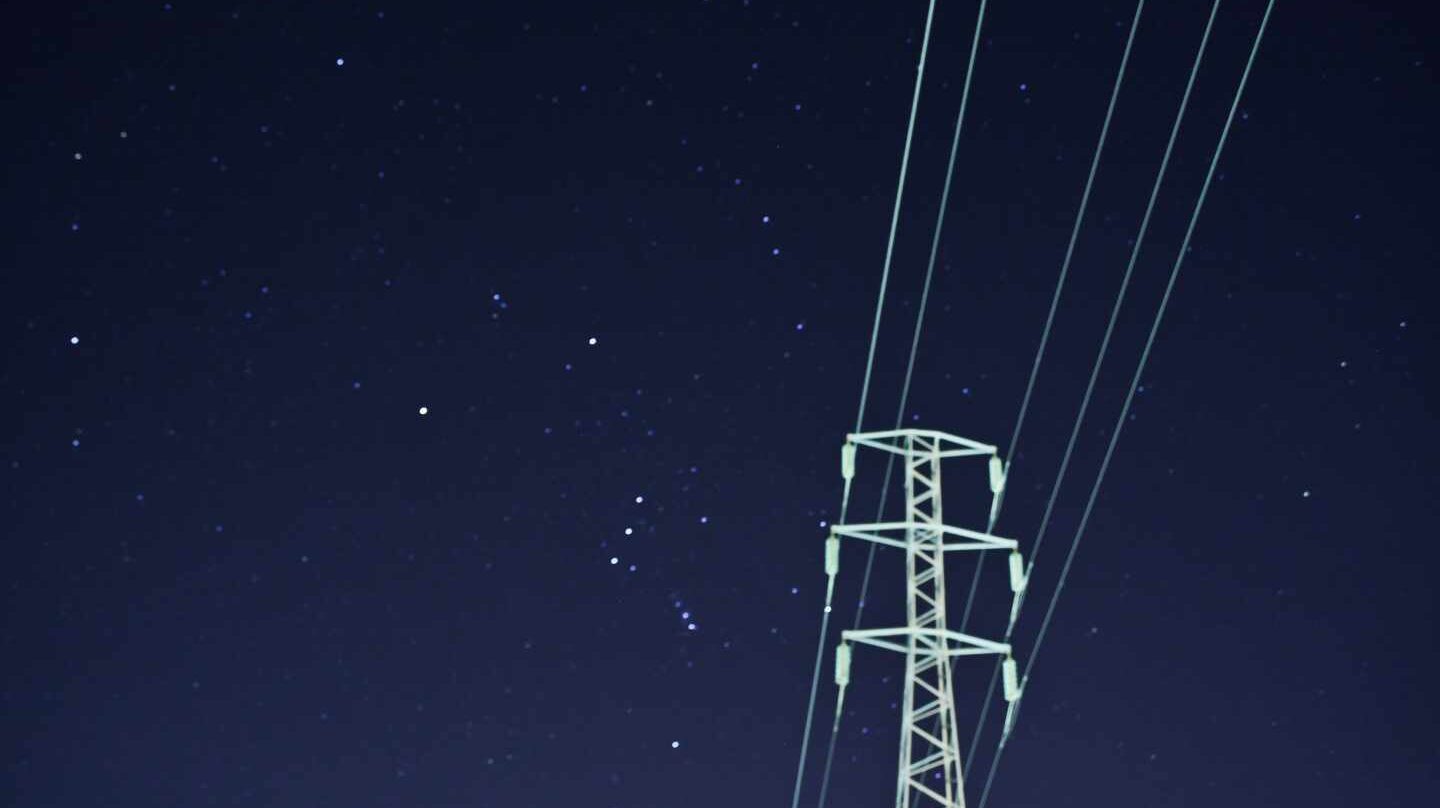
930 766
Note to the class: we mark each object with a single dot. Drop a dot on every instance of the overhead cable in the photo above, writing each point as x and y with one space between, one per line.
865 389
909 367
1140 366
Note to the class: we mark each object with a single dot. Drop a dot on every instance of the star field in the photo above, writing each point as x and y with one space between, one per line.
440 405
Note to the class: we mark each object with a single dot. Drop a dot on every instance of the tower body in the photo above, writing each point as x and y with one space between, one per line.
929 772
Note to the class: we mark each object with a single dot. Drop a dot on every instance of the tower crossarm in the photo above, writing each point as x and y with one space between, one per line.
876 532
956 643
945 445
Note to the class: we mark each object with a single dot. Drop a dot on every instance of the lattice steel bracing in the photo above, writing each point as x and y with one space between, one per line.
929 773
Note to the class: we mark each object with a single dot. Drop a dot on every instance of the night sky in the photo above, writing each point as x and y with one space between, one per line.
440 404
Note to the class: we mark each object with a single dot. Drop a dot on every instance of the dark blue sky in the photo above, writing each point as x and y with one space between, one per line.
246 243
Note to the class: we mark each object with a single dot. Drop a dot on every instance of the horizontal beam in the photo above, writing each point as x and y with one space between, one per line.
873 438
930 792
886 644
925 764
968 645
901 450
977 546
870 531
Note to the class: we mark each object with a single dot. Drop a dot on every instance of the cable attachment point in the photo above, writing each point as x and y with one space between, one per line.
1011 678
832 566
1012 712
842 678
1012 697
997 474
1017 573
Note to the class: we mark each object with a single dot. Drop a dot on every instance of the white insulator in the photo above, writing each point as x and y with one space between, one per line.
832 556
997 474
1017 573
847 461
1012 679
842 664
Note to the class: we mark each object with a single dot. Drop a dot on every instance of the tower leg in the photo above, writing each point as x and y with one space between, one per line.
929 763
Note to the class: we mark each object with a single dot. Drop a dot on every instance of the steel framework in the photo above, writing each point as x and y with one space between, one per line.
930 767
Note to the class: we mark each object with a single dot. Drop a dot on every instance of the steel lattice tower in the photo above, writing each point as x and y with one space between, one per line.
926 641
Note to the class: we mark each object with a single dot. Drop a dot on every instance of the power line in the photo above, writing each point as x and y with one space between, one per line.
1014 445
1105 341
1040 352
910 366
1144 358
865 389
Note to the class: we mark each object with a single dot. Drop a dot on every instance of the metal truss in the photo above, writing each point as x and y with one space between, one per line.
930 768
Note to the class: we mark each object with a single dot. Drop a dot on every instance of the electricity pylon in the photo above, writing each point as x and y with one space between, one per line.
929 771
